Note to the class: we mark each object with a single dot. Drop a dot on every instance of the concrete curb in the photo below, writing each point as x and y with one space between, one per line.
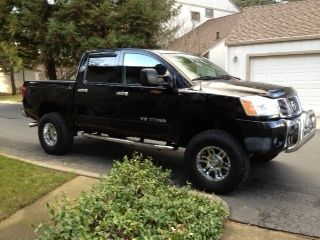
239 231
56 167
10 102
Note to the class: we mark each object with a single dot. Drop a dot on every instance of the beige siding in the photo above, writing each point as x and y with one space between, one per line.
5 86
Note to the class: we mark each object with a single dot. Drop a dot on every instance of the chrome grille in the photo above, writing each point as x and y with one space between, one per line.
290 107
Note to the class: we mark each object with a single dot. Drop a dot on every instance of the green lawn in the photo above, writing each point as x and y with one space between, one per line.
12 98
22 183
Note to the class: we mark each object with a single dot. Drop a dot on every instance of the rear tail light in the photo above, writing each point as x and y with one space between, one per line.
23 90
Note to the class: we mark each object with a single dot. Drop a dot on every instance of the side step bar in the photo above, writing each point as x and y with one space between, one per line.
130 142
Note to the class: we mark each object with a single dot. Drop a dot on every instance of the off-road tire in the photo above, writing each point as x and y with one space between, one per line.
263 158
64 134
239 159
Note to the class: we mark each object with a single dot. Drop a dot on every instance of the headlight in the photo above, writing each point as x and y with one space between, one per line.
260 106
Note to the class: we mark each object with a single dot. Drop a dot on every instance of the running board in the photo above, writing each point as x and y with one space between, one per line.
130 142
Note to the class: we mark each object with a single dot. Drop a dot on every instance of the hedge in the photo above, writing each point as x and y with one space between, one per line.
135 201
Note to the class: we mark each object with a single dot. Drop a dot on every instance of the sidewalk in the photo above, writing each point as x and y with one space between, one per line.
18 226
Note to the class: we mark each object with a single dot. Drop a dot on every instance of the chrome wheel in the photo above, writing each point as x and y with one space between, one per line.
50 134
213 163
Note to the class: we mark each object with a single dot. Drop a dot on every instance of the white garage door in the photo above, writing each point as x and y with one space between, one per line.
299 71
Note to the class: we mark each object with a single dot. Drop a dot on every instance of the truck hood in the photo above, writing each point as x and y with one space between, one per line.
239 88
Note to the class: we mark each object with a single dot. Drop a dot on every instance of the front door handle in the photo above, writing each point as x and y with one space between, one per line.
126 94
83 90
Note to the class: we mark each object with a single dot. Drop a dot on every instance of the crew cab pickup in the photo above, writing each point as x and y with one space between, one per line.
169 100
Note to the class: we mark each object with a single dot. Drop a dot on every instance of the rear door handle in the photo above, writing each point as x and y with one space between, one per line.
126 94
83 90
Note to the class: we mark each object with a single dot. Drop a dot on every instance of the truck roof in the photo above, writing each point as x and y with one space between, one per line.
157 51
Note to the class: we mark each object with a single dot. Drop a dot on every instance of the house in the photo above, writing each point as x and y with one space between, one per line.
195 12
278 44
5 85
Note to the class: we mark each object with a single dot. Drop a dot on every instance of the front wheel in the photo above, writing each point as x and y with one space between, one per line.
216 161
54 135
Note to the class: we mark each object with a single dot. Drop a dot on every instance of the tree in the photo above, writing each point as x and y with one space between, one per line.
10 63
31 33
56 33
248 3
82 24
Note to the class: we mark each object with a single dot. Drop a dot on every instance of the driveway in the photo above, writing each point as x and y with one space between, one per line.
283 194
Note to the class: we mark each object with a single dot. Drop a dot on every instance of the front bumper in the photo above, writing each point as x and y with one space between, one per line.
282 135
300 131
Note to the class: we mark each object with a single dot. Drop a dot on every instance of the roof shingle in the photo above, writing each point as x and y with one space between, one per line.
291 21
280 22
203 37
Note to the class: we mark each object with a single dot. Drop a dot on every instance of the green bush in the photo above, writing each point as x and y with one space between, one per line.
136 201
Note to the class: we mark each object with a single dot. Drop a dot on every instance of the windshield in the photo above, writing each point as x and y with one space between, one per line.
195 68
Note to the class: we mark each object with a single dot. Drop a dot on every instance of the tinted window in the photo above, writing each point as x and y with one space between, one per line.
102 68
132 65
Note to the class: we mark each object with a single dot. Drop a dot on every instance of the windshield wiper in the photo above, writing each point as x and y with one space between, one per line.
205 78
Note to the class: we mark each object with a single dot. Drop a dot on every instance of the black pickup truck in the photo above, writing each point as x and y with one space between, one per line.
167 100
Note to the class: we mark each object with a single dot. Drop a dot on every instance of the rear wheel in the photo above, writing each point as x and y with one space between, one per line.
54 135
216 161
263 158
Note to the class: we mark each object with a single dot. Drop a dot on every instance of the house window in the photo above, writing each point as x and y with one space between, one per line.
209 13
195 16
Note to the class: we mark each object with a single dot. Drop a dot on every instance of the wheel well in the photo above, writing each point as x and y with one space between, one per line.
197 124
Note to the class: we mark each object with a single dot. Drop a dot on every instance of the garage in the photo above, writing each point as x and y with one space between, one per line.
299 71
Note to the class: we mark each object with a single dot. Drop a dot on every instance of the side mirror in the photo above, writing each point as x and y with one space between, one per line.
149 77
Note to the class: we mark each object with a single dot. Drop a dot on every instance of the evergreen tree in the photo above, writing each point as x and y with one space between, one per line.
56 32
248 3
82 24
10 63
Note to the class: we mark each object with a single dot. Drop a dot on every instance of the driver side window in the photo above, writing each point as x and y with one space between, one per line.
132 65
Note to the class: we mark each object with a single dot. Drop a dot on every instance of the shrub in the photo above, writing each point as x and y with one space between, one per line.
136 201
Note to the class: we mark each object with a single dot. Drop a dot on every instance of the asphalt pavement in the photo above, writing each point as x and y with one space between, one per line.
283 194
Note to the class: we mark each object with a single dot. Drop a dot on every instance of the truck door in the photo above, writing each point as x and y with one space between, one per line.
95 93
143 110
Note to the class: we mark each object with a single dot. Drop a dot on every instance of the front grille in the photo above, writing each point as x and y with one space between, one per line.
289 107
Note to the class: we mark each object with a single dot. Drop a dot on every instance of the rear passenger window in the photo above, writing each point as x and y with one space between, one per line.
102 68
132 65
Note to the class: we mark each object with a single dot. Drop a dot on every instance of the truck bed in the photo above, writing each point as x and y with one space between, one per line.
48 93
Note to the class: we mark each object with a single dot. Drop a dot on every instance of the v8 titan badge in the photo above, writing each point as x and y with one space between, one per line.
153 120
